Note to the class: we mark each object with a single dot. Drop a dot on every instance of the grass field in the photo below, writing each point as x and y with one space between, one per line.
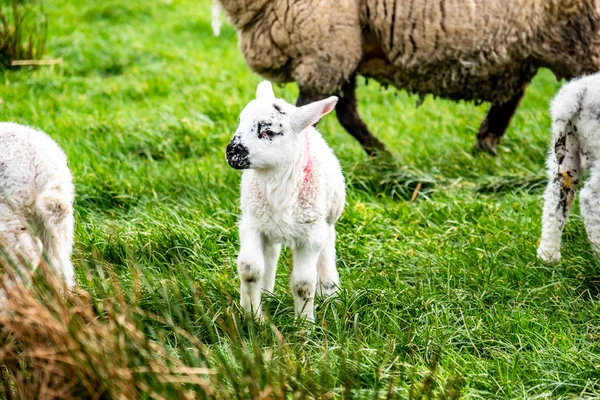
442 296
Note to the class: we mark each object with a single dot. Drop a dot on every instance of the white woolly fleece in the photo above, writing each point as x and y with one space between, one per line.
575 149
36 201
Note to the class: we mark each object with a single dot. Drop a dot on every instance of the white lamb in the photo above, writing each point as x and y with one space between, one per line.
292 193
36 201
575 149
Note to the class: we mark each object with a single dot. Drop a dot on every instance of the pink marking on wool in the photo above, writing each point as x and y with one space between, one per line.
308 167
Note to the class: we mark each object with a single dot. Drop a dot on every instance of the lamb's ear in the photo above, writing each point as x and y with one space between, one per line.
310 114
264 90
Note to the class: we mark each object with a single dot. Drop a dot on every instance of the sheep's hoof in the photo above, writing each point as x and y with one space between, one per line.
378 153
487 144
548 256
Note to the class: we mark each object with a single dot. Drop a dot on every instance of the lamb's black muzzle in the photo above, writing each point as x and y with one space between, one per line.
237 155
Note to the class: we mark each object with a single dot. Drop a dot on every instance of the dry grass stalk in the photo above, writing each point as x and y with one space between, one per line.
57 347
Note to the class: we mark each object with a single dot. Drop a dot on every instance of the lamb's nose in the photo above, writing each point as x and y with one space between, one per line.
237 155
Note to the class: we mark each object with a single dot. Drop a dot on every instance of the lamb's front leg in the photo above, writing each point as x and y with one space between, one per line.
304 280
251 269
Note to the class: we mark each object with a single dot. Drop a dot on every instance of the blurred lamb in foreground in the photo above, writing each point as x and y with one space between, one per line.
292 193
575 149
36 202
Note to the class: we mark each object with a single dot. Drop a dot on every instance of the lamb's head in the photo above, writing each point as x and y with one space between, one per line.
268 134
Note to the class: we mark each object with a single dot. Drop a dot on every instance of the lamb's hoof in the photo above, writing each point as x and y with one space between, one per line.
487 144
327 289
548 256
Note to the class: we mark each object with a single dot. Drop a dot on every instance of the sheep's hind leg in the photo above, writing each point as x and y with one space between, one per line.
328 275
347 113
495 123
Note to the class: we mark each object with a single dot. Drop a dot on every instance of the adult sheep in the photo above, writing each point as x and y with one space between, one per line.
482 50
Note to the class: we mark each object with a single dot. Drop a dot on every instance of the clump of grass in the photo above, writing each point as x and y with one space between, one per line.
23 30
533 183
72 347
105 346
384 176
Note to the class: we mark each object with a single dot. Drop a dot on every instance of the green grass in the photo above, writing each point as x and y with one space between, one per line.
439 295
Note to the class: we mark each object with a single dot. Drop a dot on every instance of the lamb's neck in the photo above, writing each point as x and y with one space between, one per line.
286 182
243 12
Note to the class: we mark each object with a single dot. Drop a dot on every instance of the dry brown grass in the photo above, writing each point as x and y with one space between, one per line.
66 347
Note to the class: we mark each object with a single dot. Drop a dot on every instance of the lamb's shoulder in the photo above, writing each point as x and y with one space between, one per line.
332 180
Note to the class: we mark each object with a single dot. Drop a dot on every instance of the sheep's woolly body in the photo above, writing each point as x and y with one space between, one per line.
459 49
575 149
36 199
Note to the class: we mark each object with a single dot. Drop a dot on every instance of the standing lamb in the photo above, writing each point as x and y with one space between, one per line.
575 149
482 50
292 193
36 201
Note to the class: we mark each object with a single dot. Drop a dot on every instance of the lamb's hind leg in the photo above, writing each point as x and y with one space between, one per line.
304 280
54 209
564 172
589 201
495 123
328 275
271 252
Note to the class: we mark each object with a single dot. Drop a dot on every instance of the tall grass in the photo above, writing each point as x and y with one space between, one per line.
73 346
23 30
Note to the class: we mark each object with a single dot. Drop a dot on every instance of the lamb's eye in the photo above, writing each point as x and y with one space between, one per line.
267 134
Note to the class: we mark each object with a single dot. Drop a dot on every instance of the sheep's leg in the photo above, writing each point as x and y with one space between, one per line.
495 123
304 280
306 97
271 252
589 201
328 275
251 269
564 171
347 113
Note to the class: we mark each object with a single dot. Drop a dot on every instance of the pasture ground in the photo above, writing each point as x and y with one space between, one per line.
442 296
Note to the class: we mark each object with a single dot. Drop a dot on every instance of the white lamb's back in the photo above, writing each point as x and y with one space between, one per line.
36 201
30 162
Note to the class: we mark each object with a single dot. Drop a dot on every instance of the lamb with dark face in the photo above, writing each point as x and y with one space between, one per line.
292 193
266 135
